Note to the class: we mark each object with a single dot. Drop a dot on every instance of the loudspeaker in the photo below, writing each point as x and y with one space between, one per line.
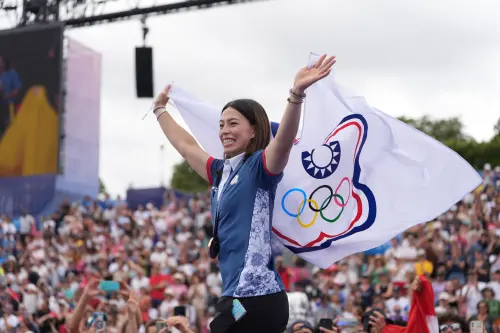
144 71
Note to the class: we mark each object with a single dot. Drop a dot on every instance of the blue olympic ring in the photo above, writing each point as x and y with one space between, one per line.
303 206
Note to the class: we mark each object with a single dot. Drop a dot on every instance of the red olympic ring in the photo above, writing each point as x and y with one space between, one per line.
349 193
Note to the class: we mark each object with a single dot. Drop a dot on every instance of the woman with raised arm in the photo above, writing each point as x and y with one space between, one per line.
244 186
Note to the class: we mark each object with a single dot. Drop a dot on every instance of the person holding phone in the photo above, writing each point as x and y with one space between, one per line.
244 185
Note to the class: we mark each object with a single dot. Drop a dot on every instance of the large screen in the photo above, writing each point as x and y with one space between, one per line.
80 147
30 99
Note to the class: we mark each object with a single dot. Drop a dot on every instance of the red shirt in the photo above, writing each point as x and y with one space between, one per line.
285 274
154 280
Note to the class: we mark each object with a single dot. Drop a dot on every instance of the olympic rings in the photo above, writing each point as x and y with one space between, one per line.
329 199
302 204
313 204
348 192
322 206
303 200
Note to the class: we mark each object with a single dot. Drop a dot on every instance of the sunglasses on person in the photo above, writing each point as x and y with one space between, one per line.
454 327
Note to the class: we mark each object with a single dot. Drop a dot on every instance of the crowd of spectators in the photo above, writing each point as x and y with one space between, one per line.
161 253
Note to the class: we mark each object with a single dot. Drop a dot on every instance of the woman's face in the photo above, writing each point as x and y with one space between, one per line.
235 132
482 308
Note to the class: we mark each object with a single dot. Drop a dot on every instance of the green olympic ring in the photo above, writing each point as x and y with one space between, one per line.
327 202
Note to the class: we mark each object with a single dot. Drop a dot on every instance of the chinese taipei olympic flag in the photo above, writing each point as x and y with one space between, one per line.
356 177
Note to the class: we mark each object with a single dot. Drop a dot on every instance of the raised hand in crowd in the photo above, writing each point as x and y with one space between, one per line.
90 291
133 307
416 285
377 320
178 322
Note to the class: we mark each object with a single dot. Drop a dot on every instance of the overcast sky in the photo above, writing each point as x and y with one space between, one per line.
440 58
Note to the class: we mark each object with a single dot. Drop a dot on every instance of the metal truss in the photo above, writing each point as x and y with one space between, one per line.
80 13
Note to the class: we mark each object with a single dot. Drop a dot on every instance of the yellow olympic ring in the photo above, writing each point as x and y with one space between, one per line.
307 225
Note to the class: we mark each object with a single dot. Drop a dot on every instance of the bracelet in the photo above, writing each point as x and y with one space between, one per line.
157 108
294 102
159 113
297 95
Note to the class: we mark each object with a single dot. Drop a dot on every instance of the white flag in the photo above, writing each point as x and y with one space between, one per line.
355 178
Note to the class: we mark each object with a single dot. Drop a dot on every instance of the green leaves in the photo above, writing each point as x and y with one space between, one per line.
451 133
187 180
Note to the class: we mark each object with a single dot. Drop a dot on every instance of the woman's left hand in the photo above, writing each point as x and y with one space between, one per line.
307 76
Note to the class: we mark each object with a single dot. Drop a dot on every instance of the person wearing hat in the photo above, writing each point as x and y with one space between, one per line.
423 266
168 304
397 302
444 304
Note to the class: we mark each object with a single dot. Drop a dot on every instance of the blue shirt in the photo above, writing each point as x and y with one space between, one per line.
245 211
9 81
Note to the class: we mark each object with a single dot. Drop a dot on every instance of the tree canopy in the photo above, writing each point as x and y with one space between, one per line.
102 187
187 180
451 133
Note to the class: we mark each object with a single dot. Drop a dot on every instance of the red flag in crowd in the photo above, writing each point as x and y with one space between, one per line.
422 317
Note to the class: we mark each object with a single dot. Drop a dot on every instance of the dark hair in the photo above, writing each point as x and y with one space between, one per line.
485 303
257 117
452 318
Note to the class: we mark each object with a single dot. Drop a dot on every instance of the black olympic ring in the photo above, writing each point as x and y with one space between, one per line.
325 204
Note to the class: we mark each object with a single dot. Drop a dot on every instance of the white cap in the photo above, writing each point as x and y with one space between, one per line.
487 167
31 287
444 296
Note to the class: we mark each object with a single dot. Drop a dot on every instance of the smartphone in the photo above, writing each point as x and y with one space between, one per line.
476 326
109 285
180 311
238 311
160 325
347 322
326 323
97 321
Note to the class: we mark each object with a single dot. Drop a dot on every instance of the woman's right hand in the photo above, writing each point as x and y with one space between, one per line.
162 98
